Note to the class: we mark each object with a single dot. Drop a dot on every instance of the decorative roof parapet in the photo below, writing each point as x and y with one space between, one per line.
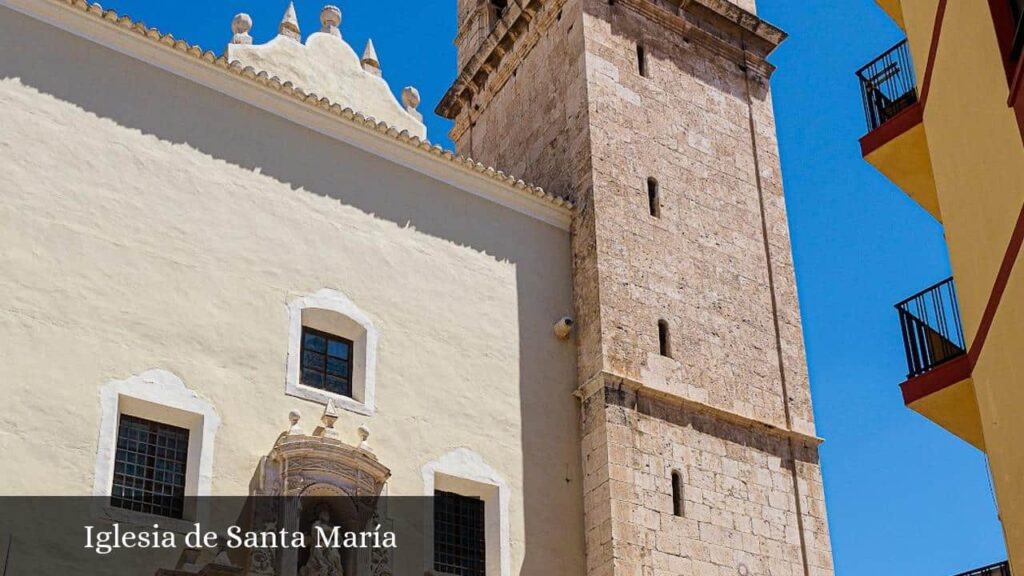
326 64
288 89
515 23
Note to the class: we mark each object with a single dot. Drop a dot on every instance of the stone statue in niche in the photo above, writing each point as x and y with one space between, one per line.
323 561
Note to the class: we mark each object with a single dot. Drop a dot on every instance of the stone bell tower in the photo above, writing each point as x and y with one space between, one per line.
699 450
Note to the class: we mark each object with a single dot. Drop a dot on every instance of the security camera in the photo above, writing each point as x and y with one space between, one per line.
563 328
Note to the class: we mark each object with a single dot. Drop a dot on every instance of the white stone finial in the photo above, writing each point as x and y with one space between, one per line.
330 20
370 61
364 435
328 419
290 24
240 27
411 99
294 416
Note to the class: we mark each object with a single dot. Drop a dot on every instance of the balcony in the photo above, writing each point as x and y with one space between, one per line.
932 333
896 143
1000 569
939 385
888 85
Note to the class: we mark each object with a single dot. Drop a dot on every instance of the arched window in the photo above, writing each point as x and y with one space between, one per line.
641 60
463 475
677 493
664 341
153 417
653 197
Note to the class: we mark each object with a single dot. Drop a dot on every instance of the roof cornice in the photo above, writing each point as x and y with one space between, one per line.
270 93
490 64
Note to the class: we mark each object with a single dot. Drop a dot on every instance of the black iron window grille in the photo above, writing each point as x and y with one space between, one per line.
326 362
459 544
149 467
932 332
888 85
998 569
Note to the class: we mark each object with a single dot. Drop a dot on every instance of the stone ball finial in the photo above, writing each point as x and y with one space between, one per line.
240 27
364 435
330 20
294 416
411 98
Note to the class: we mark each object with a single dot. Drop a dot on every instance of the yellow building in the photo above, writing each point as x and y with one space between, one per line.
945 112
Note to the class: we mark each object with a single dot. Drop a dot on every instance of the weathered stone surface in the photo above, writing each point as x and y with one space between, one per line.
566 106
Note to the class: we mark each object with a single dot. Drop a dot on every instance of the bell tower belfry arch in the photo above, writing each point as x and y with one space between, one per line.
698 441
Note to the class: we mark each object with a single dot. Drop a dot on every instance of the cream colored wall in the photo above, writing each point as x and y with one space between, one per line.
978 162
146 222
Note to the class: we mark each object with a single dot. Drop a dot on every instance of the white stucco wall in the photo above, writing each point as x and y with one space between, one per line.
150 223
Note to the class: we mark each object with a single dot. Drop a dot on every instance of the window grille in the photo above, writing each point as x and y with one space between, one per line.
149 467
459 544
326 362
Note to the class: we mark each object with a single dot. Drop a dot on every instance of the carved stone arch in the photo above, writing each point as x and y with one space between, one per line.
303 473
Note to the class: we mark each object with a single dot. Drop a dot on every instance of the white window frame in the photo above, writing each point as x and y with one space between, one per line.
332 312
464 472
159 396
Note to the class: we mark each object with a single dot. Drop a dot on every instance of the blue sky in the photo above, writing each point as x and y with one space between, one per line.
904 496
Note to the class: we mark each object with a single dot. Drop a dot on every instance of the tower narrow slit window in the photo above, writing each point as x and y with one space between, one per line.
664 342
459 541
641 60
149 467
653 197
677 493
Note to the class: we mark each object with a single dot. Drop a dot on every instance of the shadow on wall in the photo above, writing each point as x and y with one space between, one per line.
176 111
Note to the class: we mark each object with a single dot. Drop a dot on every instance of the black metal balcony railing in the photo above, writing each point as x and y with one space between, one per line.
888 85
1000 569
932 333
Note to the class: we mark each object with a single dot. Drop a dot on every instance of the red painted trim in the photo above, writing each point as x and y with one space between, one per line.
1002 279
899 124
933 50
947 374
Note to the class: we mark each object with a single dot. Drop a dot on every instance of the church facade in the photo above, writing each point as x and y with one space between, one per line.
251 273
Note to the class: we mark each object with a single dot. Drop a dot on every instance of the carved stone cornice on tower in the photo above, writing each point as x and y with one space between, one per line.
505 47
599 382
